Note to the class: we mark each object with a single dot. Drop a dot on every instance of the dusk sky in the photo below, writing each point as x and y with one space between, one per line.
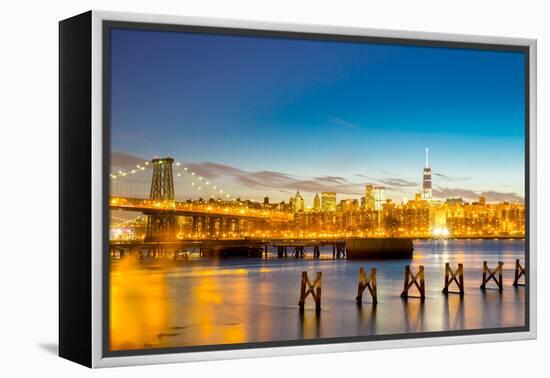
269 116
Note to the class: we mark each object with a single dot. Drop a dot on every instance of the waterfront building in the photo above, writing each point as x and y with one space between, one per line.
316 203
369 198
418 218
454 201
328 201
415 218
379 197
298 203
283 206
438 216
348 205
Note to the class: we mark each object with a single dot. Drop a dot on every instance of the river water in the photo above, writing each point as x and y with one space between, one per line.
163 303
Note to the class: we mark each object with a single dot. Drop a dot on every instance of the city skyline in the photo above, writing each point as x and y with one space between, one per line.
267 116
308 187
218 214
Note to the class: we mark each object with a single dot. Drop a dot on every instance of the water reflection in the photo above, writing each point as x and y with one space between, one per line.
157 303
453 312
309 324
367 318
490 306
413 315
139 306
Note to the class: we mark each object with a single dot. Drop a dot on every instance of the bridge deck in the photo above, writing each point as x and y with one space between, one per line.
186 209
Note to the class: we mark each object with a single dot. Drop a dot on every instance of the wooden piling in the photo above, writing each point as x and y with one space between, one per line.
457 276
340 250
414 279
316 252
299 252
489 274
367 282
519 271
312 288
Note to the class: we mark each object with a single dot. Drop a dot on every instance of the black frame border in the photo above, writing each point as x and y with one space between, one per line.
75 194
106 27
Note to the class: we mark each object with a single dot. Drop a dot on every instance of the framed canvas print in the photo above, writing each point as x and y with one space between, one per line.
232 189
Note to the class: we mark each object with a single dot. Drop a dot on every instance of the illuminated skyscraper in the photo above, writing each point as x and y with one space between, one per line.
427 181
298 202
369 197
348 205
379 197
328 201
317 203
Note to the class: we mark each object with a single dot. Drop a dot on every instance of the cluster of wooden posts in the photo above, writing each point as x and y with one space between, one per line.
368 281
299 251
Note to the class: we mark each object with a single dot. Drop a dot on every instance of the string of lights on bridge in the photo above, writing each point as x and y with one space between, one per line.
197 181
122 222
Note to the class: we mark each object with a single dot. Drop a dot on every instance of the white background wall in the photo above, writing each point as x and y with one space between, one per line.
28 178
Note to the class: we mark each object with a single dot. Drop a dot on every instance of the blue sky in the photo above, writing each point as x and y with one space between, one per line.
269 116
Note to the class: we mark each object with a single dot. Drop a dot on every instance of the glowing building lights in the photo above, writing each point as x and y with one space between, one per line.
378 216
328 201
427 180
379 197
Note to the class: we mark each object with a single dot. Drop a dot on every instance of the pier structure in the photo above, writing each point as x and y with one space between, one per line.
381 248
247 247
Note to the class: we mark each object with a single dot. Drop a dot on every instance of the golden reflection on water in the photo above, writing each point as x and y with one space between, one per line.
213 323
145 306
218 272
453 310
309 324
138 305
413 314
156 303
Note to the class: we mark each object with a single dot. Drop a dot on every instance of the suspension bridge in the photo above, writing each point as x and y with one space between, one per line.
217 217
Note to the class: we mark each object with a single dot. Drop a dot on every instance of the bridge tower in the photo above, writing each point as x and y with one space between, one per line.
161 226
